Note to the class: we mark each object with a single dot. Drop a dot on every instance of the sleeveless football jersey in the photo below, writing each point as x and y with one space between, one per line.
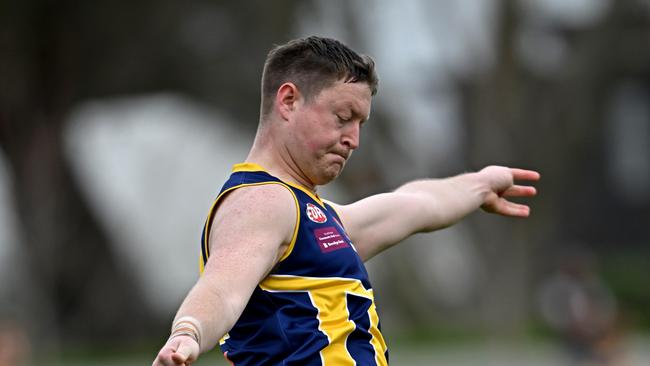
316 307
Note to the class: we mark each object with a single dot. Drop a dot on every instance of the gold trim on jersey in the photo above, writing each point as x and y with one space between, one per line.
247 167
311 194
208 222
335 211
253 167
327 295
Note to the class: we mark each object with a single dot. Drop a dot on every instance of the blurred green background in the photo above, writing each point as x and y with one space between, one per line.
120 121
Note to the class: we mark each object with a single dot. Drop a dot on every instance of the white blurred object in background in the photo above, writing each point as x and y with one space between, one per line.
150 166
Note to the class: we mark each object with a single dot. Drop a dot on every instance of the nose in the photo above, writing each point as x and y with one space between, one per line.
351 136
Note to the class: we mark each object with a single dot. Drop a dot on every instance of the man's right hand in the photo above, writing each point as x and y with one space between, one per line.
181 350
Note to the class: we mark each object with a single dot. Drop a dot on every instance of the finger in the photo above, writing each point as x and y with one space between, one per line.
524 174
166 362
179 358
507 208
520 191
164 359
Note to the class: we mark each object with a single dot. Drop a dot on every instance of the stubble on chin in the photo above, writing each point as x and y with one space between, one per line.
327 174
334 171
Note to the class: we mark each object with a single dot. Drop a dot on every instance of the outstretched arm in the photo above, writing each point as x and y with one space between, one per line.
378 222
244 247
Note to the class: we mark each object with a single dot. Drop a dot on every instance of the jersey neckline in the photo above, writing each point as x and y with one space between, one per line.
254 167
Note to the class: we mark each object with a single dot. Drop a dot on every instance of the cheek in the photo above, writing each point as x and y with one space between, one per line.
312 138
320 142
305 141
317 134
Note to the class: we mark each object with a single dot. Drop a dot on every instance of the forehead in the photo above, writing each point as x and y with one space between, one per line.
356 96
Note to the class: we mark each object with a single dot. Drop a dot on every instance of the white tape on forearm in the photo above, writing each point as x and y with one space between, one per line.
189 326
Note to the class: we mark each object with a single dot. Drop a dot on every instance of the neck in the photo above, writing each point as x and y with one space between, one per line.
277 161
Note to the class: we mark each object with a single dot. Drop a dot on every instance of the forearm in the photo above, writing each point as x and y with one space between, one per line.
380 221
214 313
446 201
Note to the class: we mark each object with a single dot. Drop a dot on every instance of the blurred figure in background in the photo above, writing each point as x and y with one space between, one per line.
15 348
582 309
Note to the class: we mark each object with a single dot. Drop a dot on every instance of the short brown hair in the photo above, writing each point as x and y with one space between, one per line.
313 63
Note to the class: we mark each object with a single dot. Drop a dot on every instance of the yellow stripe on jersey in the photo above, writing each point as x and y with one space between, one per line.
224 339
328 296
247 167
252 167
311 194
212 211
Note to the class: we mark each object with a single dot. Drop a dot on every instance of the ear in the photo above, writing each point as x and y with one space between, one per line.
286 99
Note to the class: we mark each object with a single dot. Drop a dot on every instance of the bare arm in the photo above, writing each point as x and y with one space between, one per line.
244 247
378 222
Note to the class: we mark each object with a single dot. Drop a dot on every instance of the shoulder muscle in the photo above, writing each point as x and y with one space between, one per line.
254 221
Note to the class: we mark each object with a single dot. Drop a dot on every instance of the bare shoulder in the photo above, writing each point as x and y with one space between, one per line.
262 197
262 214
250 232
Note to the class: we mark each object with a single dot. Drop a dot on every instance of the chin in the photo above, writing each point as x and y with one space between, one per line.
330 176
327 177
321 181
327 173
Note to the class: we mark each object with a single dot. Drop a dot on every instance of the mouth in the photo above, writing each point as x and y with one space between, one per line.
343 156
337 159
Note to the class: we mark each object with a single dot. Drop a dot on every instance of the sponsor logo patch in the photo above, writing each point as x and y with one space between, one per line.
315 214
329 239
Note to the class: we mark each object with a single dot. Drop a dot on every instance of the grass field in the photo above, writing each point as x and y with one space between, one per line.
636 352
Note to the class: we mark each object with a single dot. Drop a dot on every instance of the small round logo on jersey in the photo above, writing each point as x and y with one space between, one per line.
315 214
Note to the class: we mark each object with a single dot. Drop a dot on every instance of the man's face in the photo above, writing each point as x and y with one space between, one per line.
325 130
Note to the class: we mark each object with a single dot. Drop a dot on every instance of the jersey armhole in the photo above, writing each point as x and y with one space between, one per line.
329 206
205 246
296 226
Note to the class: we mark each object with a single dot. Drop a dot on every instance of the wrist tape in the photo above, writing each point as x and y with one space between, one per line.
187 326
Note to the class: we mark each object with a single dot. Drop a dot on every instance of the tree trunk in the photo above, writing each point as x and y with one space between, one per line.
554 125
76 285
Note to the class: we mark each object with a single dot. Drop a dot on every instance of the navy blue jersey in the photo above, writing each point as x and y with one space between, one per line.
316 307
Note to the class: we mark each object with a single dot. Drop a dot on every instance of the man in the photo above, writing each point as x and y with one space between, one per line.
283 280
